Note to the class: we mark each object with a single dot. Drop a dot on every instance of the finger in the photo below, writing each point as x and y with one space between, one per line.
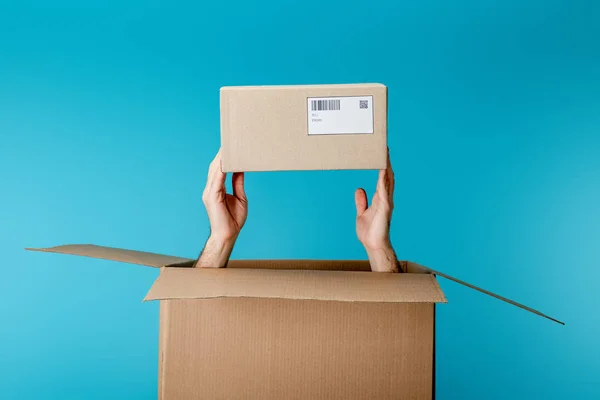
360 198
237 182
390 176
213 165
216 177
381 184
215 181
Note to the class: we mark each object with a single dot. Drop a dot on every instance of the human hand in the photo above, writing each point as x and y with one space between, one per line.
227 214
373 223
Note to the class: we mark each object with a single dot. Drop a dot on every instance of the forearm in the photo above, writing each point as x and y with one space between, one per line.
383 260
215 253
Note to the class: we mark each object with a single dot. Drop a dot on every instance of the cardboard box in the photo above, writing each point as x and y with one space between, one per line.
304 127
291 329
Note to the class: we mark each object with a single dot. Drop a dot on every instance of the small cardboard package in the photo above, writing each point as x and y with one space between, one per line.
303 127
291 329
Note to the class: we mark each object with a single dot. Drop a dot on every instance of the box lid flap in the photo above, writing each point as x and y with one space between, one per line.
161 260
301 263
414 268
203 283
114 254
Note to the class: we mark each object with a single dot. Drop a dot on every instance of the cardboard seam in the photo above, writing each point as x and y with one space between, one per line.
439 290
433 389
294 299
163 338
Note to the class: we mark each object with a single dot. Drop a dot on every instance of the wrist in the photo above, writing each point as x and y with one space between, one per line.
216 252
382 259
222 244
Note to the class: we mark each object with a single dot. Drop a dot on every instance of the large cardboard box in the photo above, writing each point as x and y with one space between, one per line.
291 329
303 127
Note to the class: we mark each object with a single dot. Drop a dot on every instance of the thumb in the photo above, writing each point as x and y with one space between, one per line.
237 182
360 198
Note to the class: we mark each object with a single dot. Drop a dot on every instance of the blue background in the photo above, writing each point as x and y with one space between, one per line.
109 118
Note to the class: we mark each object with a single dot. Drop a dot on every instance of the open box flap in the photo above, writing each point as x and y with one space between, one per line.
114 254
414 268
328 265
204 283
160 260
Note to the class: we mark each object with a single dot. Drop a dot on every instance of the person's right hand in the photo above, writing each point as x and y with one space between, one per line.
227 214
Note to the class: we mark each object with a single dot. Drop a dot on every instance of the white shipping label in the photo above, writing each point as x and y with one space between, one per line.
340 115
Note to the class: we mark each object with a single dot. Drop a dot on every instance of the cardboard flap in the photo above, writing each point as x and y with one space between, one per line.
414 268
114 254
203 283
311 264
308 264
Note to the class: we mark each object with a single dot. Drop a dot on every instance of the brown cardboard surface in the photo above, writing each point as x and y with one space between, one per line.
114 254
160 260
203 283
326 265
265 128
296 349
163 323
308 264
419 269
291 329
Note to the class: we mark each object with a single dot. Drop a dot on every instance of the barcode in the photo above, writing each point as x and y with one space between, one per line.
324 105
